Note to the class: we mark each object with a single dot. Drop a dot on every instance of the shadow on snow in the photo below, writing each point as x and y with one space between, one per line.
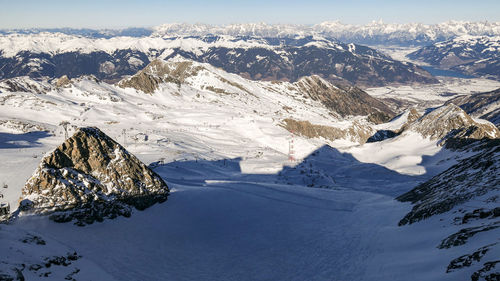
25 140
326 167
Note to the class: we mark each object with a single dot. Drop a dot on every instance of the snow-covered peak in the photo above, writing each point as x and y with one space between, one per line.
492 43
57 43
242 29
376 31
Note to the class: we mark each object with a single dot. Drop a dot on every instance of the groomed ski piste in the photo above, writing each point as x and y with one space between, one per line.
238 209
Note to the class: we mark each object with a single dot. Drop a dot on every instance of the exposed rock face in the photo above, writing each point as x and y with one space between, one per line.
473 182
413 116
24 84
344 100
472 177
451 124
157 72
356 132
91 177
63 81
382 135
481 105
448 124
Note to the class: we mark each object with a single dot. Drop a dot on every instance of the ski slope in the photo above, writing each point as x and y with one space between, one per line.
239 210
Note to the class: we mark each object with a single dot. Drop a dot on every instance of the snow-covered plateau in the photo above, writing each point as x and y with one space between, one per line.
249 199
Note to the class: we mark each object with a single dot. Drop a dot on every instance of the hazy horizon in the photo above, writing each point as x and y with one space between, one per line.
113 14
227 24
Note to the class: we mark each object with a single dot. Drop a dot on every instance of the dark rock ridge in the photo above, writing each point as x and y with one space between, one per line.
330 60
481 105
410 116
472 182
104 66
472 177
469 259
271 59
24 84
91 177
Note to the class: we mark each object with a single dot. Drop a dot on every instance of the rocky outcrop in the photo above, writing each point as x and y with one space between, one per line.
449 125
24 84
157 72
406 118
63 81
356 132
469 259
453 127
90 177
344 100
470 178
472 182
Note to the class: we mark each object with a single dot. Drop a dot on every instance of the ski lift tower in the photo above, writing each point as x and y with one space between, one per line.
291 149
124 133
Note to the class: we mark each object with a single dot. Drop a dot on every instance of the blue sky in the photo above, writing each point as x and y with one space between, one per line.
145 13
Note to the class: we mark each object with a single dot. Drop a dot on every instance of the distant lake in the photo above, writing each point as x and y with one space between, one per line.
448 73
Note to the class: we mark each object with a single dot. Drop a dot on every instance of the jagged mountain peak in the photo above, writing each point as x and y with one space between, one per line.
89 177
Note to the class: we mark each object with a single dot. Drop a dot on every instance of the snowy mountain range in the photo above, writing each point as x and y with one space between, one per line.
471 55
374 33
54 55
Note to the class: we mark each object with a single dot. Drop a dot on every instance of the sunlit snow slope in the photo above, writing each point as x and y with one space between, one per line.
238 209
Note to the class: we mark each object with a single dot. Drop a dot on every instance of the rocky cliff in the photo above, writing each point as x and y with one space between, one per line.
159 71
466 197
344 100
90 177
453 126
